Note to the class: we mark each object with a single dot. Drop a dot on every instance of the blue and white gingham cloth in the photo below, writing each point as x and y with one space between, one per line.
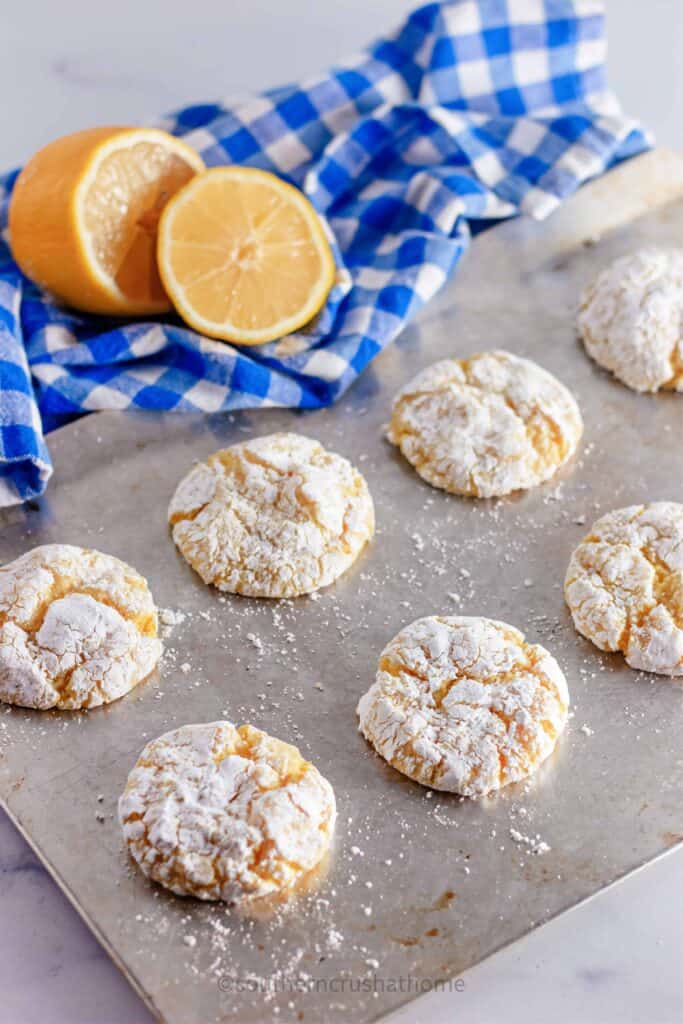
473 110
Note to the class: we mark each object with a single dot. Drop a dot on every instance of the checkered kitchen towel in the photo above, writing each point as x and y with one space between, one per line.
472 111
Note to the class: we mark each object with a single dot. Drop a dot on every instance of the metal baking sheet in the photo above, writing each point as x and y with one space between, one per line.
421 885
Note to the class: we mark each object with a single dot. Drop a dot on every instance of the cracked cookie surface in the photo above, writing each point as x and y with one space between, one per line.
624 586
486 425
630 319
464 704
229 813
77 629
277 516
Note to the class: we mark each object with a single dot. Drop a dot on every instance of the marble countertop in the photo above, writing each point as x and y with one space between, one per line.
614 960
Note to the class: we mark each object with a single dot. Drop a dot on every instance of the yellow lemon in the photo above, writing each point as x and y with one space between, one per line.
243 255
84 214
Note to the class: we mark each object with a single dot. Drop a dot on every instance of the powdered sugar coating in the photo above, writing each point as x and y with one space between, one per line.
77 629
486 425
464 704
226 813
624 586
277 516
630 319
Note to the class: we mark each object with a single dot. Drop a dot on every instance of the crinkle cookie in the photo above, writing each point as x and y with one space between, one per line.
464 704
486 425
226 813
274 517
624 586
77 629
630 319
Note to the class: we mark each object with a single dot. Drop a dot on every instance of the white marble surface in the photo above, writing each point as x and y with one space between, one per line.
615 960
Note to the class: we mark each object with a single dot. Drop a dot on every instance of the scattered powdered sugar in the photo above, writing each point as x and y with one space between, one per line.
534 843
171 618
255 641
